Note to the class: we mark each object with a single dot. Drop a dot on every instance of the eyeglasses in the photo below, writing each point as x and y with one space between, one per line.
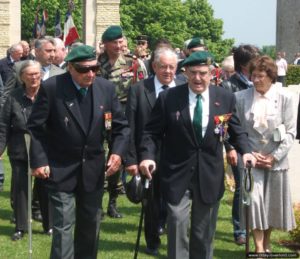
144 56
84 69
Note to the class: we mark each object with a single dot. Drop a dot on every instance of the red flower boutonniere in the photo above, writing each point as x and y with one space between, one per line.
221 125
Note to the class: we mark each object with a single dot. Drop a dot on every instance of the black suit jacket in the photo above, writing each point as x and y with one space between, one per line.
59 137
140 102
13 119
6 68
183 156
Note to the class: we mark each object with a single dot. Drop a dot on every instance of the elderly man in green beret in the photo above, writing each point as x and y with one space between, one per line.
123 71
192 122
69 120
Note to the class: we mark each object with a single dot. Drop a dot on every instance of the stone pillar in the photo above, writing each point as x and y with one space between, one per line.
10 24
288 27
97 16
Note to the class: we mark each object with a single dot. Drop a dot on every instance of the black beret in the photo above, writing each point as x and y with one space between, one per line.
199 58
195 42
113 32
81 53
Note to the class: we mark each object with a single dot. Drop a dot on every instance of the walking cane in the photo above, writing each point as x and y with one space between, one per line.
27 142
144 203
248 186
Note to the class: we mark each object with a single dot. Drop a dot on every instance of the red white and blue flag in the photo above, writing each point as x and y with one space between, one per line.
58 30
43 23
70 31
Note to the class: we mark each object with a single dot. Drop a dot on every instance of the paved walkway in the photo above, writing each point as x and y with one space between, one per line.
294 154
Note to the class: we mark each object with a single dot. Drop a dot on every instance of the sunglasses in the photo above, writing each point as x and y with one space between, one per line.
85 69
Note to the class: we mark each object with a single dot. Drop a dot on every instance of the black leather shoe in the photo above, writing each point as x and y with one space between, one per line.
113 212
151 251
17 235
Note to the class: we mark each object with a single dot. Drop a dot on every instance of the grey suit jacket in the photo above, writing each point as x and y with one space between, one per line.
282 114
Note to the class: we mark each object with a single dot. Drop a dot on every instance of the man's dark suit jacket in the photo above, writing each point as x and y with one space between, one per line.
140 102
183 156
59 136
6 68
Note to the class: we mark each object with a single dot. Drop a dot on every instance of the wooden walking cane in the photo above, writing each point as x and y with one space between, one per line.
248 186
27 142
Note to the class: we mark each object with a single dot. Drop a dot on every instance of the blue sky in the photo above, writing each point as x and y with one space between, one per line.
247 21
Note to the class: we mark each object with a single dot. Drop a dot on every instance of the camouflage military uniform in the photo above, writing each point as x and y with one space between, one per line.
126 71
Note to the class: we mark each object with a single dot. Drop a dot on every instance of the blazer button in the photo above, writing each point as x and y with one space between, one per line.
83 160
85 146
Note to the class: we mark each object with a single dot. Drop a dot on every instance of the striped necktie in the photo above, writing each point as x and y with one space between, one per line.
197 120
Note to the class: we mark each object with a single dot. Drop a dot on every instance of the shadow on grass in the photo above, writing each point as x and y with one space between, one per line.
107 246
228 254
117 227
5 214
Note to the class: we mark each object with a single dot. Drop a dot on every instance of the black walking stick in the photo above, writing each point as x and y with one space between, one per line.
144 204
248 186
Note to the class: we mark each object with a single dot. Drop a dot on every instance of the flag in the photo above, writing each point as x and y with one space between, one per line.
43 23
70 31
58 30
36 32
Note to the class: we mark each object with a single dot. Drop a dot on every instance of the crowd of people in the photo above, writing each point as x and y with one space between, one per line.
96 115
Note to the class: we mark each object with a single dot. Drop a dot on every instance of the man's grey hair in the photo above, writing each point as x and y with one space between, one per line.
40 42
15 47
24 65
164 51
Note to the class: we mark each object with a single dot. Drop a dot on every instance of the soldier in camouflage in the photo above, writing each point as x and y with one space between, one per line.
123 70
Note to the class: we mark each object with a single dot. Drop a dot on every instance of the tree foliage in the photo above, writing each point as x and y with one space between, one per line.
269 50
29 8
176 21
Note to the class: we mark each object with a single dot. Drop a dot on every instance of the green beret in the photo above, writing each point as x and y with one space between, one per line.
113 32
196 42
81 53
199 58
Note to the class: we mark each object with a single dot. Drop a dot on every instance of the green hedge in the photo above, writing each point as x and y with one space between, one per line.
293 75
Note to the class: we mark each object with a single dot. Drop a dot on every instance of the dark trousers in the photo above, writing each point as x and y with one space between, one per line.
1 172
237 171
19 193
152 215
78 210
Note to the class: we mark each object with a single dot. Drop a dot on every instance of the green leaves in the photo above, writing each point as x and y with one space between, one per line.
175 20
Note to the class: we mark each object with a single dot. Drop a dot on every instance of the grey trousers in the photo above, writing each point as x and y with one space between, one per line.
199 244
77 211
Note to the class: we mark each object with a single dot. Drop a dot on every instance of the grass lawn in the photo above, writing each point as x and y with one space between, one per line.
117 236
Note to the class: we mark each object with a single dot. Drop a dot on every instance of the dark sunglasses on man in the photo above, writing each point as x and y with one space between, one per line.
84 69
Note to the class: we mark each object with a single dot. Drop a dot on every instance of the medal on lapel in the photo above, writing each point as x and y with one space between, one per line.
107 120
221 125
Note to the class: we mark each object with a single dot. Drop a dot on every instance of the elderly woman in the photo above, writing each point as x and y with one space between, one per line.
266 110
13 119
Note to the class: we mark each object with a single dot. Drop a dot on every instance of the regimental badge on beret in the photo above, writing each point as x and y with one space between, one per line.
81 53
113 32
142 38
199 58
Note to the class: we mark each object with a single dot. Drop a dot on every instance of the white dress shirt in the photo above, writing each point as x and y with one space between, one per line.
158 86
